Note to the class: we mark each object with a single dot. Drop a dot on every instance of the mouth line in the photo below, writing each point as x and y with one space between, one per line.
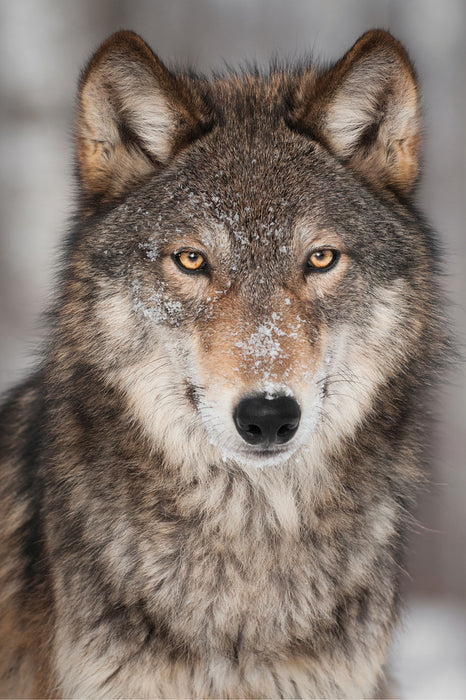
261 457
265 451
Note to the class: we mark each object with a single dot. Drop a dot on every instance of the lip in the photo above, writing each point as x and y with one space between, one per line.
263 457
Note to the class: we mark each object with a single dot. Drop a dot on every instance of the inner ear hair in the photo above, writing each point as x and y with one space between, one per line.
133 116
365 110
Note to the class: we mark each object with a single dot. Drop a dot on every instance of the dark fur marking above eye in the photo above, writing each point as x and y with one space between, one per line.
191 395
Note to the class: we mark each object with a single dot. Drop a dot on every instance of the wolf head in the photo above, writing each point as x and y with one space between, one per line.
246 265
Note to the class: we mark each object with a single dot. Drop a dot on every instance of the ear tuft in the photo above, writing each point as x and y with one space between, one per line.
133 116
365 109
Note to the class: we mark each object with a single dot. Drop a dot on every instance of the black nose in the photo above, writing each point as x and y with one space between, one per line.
264 421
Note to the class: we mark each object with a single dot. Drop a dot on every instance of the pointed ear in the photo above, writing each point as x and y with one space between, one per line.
366 111
133 116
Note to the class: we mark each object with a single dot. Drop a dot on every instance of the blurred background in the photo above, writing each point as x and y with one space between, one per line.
43 46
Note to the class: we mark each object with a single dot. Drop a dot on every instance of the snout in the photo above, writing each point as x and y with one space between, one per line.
265 421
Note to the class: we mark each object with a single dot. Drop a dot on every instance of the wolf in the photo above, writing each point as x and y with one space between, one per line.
207 483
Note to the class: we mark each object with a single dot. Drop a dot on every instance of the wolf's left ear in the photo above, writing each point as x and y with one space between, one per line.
365 109
133 115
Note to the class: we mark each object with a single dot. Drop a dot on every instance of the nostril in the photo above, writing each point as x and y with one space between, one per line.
253 430
284 430
251 433
261 420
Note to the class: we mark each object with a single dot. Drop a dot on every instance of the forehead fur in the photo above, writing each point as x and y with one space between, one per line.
256 95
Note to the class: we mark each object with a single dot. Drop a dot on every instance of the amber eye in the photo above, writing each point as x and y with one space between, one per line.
190 261
322 259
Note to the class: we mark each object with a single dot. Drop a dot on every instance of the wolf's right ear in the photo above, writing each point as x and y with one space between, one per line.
133 116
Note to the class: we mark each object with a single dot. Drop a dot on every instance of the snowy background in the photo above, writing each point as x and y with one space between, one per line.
43 46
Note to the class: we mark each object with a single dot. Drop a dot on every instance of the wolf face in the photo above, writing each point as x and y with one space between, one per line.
259 297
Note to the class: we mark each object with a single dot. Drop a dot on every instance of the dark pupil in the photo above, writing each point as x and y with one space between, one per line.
193 256
320 254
